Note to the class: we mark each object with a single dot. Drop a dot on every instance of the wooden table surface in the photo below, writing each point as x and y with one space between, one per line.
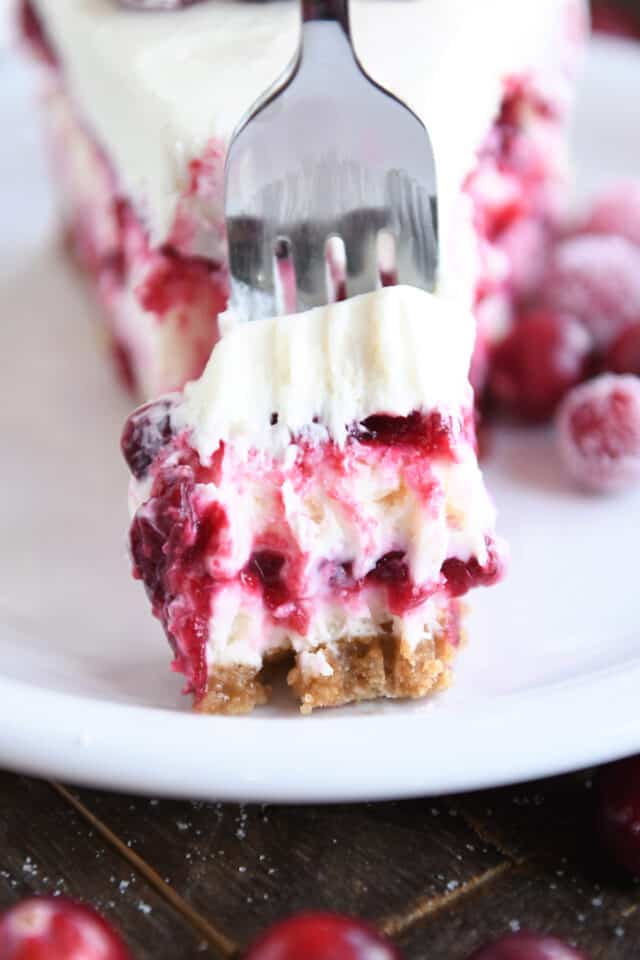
441 876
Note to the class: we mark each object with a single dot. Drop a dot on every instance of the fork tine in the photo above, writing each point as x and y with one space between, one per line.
312 161
251 265
412 217
308 242
359 232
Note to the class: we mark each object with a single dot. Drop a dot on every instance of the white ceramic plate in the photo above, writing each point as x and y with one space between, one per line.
548 682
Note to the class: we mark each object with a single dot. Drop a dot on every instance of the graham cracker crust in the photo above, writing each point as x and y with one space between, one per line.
363 668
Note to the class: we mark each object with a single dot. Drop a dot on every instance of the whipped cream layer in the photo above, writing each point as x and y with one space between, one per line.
393 351
158 88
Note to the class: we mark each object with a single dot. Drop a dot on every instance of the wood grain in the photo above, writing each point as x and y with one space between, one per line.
243 868
440 877
602 920
45 847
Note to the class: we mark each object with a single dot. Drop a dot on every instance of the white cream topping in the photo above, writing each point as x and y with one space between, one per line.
393 351
157 87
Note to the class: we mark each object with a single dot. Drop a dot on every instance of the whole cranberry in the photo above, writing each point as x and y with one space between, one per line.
527 946
597 280
54 928
623 356
619 812
321 936
598 429
545 354
616 211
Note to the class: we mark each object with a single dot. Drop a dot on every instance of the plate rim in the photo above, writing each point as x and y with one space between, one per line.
90 742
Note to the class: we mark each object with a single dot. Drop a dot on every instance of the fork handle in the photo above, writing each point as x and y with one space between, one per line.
337 10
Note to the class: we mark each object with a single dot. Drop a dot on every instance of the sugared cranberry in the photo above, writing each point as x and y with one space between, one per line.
619 812
616 212
54 928
597 280
527 946
598 428
147 430
321 936
623 356
545 354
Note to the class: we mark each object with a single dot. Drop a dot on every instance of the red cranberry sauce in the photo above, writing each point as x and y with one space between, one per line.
178 282
171 539
514 191
35 34
430 435
182 538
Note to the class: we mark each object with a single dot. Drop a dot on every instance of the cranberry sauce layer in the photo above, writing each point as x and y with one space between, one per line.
518 193
202 530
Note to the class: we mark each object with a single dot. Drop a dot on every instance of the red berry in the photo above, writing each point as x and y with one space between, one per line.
527 946
597 280
544 355
599 433
619 812
616 212
54 928
623 356
321 936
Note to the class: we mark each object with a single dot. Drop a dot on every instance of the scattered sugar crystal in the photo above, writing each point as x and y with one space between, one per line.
597 901
453 885
514 925
144 907
123 885
181 825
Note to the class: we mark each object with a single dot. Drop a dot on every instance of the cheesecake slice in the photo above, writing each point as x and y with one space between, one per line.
315 497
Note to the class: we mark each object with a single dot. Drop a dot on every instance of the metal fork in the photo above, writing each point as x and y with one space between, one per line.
327 153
